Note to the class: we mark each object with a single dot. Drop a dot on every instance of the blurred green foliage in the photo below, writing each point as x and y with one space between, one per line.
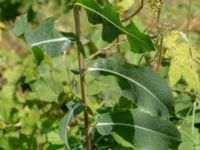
33 98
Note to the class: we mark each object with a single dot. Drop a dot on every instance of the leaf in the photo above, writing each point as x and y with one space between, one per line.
189 141
121 141
52 77
76 109
183 102
140 129
95 87
29 118
47 89
20 25
112 26
183 62
45 36
38 54
174 73
54 138
141 85
6 105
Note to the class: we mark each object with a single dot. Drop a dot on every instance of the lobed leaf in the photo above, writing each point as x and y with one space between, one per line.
112 26
45 36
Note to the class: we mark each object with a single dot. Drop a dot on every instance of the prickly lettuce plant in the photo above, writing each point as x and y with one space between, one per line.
141 119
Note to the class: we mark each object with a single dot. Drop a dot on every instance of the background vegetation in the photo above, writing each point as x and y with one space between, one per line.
33 95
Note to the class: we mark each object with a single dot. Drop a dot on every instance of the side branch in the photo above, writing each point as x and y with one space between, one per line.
103 50
135 13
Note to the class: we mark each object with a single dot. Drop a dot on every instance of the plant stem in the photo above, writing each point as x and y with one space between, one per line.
193 116
158 17
189 16
134 13
160 53
118 46
82 78
103 50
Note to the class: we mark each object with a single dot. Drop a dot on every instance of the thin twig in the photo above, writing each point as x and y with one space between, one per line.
197 60
187 114
82 78
135 13
160 51
158 21
193 116
189 16
118 46
140 60
182 91
73 87
158 17
188 30
103 50
195 14
101 2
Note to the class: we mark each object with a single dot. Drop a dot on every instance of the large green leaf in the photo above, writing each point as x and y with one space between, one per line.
47 89
50 83
75 108
45 36
112 26
140 129
141 85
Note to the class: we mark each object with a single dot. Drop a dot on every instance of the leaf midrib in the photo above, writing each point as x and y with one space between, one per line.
54 40
135 126
125 77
